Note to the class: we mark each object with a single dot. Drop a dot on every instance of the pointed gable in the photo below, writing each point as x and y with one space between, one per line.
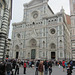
34 2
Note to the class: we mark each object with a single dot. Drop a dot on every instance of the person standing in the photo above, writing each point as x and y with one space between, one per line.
29 63
69 69
37 64
46 67
50 67
63 64
13 66
56 63
32 64
40 67
2 68
8 67
71 63
66 64
17 68
24 67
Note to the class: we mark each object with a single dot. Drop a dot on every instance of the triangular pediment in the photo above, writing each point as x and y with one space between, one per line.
35 2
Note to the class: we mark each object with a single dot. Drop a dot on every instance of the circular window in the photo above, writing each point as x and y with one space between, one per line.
18 35
52 31
35 14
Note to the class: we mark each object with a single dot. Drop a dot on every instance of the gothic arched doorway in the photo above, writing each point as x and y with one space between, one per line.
33 44
52 55
17 54
33 54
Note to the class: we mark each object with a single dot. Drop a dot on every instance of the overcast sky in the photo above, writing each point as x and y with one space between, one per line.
17 9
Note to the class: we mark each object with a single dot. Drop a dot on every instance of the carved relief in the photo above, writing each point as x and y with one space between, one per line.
37 31
16 47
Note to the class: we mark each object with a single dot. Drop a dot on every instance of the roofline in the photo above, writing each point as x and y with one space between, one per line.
50 9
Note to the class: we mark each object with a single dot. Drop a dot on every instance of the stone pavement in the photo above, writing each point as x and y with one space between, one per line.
56 71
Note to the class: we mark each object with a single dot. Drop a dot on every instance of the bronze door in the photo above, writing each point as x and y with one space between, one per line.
17 54
52 55
33 53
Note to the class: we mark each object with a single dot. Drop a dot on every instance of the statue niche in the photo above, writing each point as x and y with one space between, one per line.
32 43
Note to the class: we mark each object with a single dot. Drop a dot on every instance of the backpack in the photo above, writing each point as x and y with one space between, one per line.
68 70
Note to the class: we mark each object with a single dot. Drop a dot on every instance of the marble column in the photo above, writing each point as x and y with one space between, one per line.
3 33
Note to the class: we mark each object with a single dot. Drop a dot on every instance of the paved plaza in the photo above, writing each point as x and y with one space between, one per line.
56 71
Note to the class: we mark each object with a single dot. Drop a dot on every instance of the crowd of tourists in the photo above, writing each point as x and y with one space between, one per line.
11 66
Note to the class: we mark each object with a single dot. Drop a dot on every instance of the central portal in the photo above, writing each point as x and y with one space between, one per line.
33 54
17 54
52 55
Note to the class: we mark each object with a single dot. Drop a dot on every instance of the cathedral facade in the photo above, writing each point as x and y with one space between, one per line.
42 34
72 12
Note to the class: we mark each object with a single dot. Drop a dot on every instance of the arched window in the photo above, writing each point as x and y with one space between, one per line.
43 44
32 42
18 35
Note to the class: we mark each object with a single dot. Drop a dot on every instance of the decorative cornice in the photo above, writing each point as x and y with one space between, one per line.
18 23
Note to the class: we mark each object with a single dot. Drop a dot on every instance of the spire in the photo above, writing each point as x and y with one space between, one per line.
62 9
42 0
46 0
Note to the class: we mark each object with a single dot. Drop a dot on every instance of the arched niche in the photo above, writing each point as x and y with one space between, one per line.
33 42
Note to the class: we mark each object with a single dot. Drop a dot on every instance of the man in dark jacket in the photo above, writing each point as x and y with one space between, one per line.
46 67
50 67
37 64
8 67
2 68
69 69
13 66
17 68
